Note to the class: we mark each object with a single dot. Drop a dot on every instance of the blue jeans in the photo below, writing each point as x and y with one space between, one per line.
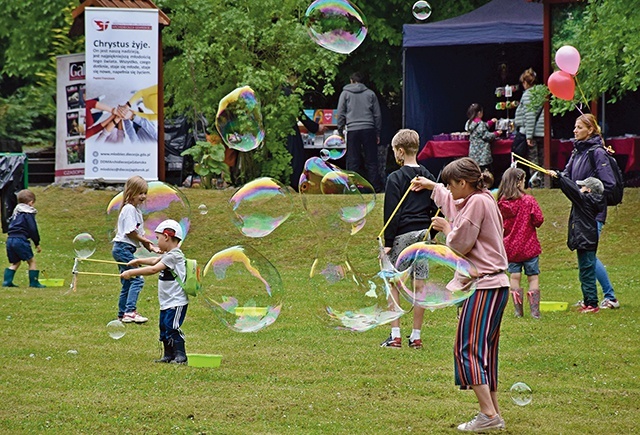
170 322
131 288
587 274
602 276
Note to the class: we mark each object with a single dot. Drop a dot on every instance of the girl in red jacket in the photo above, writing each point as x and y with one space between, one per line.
521 215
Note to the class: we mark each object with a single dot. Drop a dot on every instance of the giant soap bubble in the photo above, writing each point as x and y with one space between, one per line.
164 201
260 206
242 288
450 277
336 25
239 120
351 301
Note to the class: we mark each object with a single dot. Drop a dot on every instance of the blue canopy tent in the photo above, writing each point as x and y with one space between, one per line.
452 63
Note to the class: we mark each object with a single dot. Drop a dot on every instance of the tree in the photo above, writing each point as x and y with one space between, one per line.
32 34
607 35
215 46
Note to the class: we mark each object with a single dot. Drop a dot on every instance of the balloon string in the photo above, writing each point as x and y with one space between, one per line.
580 89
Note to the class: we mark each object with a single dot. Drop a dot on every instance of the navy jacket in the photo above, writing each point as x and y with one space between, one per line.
23 225
585 206
579 166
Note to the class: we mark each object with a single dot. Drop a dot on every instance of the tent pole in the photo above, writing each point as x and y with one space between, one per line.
404 84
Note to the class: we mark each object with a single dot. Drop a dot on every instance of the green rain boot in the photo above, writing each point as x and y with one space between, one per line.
8 278
168 352
33 279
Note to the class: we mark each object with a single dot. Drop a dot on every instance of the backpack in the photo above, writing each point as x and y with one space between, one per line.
614 196
192 283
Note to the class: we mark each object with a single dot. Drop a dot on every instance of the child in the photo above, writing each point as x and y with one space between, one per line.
173 299
588 144
480 137
587 200
129 236
408 225
521 215
476 232
23 227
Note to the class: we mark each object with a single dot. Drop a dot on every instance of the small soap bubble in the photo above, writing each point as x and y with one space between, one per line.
203 209
116 329
521 394
421 10
84 245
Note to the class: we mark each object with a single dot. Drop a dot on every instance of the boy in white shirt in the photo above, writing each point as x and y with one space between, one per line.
172 297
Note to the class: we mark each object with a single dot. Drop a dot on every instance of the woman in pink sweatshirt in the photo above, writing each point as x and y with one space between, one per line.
476 232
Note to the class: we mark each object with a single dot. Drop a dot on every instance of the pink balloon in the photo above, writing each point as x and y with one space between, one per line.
562 85
568 59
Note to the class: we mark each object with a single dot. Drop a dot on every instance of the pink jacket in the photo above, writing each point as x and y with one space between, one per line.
476 233
521 218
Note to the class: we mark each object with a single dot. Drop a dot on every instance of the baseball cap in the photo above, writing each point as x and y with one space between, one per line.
593 184
170 228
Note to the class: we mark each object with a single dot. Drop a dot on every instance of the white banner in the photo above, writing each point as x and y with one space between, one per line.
70 116
121 93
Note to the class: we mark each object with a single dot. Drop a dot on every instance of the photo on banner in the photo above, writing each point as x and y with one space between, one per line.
70 118
121 93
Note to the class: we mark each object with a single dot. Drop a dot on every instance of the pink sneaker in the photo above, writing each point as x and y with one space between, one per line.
588 309
133 317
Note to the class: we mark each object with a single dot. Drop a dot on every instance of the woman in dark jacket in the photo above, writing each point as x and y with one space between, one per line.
588 140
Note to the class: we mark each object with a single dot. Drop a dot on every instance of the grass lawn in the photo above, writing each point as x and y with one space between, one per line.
298 376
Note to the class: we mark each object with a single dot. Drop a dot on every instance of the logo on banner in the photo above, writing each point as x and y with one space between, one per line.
101 25
76 71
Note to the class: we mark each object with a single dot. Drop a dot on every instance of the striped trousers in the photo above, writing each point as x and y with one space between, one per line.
476 346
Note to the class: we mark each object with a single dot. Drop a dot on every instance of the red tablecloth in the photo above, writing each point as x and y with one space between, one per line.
560 150
459 148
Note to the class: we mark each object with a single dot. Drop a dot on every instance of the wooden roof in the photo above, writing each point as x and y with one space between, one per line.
78 13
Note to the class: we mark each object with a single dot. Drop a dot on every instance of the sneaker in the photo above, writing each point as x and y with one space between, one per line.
415 344
609 303
589 309
133 317
392 342
579 305
482 423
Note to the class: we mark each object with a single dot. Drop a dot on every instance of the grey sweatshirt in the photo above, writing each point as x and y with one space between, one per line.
358 109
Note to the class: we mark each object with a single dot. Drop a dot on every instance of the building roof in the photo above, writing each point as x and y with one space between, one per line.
78 13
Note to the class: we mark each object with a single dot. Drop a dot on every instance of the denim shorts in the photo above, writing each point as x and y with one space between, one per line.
18 249
531 267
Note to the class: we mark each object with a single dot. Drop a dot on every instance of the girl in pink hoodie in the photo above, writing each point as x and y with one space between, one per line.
522 215
475 231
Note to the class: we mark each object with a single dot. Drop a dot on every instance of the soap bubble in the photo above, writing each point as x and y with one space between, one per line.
243 289
421 10
521 394
239 120
203 209
116 329
336 25
84 245
349 300
163 202
334 148
261 206
336 200
435 276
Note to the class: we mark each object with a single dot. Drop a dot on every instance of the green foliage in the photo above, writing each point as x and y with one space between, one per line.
32 34
209 162
607 35
217 46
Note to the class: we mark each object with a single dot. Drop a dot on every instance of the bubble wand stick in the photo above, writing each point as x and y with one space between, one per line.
394 212
102 261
